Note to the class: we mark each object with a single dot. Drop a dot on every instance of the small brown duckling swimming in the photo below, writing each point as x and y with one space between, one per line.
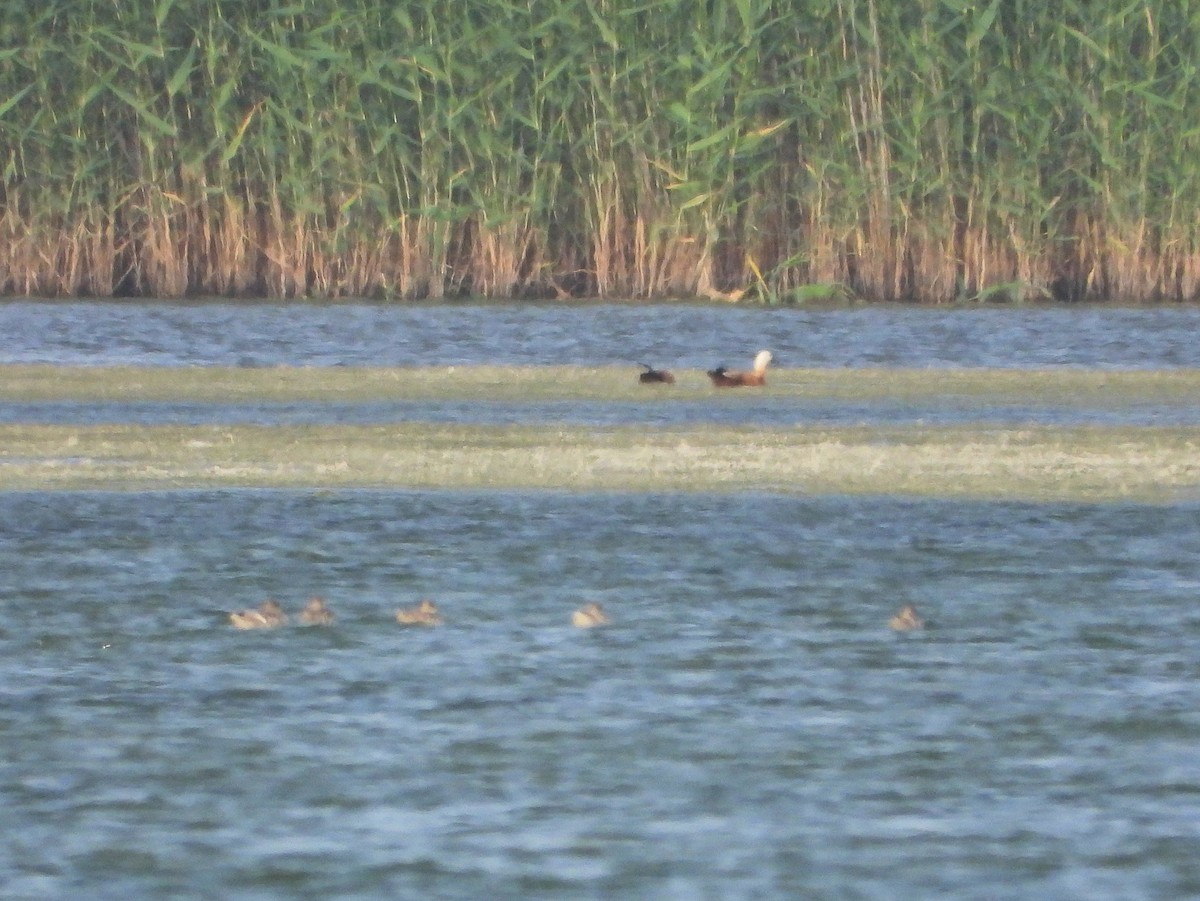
907 619
652 376
723 378
589 615
424 614
316 613
268 616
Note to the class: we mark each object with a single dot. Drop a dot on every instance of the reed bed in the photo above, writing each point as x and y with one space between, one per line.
936 150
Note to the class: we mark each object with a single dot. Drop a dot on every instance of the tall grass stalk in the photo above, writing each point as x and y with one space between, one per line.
935 150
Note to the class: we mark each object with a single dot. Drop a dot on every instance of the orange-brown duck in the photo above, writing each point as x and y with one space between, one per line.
723 378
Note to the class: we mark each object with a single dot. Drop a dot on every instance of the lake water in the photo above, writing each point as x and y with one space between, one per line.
676 336
681 335
748 727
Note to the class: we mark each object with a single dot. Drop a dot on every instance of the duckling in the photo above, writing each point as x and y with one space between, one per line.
424 614
249 619
906 619
723 378
268 616
652 375
316 613
589 615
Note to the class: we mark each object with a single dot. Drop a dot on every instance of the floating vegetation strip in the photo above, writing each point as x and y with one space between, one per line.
770 148
979 461
1148 464
217 385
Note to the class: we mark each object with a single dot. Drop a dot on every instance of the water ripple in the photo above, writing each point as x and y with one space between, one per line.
748 727
595 334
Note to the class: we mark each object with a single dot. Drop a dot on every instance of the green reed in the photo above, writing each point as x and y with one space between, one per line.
936 150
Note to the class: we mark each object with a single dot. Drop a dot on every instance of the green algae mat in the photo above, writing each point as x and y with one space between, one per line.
973 460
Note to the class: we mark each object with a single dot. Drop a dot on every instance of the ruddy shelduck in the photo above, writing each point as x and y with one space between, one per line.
723 378
424 614
655 376
906 619
588 616
268 616
316 613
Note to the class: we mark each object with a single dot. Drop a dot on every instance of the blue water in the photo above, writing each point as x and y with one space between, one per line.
768 411
682 335
748 727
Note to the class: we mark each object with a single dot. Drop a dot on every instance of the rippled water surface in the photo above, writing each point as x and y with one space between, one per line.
747 728
769 411
682 335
